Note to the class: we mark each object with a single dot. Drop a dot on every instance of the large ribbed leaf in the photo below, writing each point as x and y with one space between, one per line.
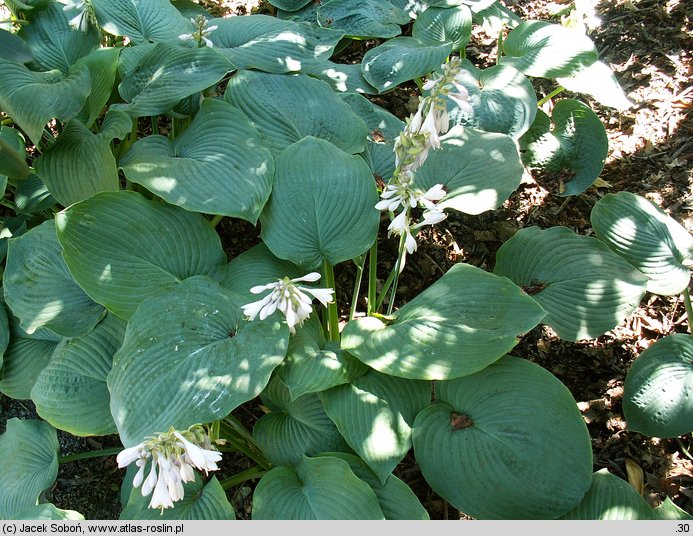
648 238
479 170
25 358
539 48
71 392
610 498
294 428
217 166
28 464
401 59
81 163
317 488
32 196
577 145
396 499
658 391
4 335
361 18
343 77
201 502
48 511
502 100
12 156
505 443
312 364
141 20
322 205
289 5
443 25
374 413
189 357
102 65
13 48
287 108
465 321
270 44
495 17
54 44
40 290
585 289
669 510
32 99
167 73
121 248
598 81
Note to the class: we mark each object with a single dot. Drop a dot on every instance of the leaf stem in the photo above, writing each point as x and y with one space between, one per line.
373 278
89 454
215 220
559 89
332 313
248 474
499 53
155 125
400 254
689 309
241 441
357 285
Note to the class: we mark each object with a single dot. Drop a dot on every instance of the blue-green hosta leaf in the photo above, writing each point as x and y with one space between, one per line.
401 59
71 392
54 44
322 205
40 290
287 108
549 50
658 391
362 18
168 73
317 488
585 289
374 413
47 512
341 77
32 99
27 5
189 357
141 20
270 44
289 5
12 155
312 364
4 335
494 18
81 164
384 129
478 170
28 464
9 227
103 67
465 321
396 499
217 166
122 248
505 443
610 498
671 511
598 81
189 9
442 25
294 428
648 238
32 196
502 100
13 48
200 502
577 145
26 356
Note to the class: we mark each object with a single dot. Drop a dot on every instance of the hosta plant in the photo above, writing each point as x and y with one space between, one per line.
132 128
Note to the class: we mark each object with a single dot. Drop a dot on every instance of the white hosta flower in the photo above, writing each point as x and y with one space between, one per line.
292 300
81 20
204 460
201 32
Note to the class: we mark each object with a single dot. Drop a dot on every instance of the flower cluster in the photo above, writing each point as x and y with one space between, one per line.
200 33
292 300
85 13
173 455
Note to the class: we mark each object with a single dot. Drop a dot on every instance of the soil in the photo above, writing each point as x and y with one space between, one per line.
647 43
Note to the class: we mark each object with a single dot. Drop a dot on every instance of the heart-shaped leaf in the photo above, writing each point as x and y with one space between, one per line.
401 59
647 237
317 488
342 77
32 99
12 155
103 66
443 25
577 144
217 166
287 108
141 20
598 81
81 164
361 18
502 100
658 391
289 5
32 196
28 464
465 321
322 206
478 170
610 498
294 428
40 290
539 48
71 392
121 248
189 357
48 511
505 443
374 413
585 289
13 48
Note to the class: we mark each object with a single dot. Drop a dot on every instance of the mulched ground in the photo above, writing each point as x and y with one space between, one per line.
647 43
